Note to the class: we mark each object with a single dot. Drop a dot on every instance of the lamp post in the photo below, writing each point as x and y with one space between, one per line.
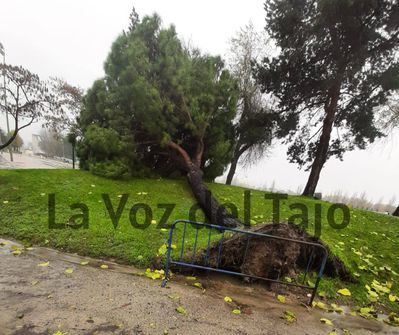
3 53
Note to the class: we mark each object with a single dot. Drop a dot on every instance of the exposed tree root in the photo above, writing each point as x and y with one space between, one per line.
272 258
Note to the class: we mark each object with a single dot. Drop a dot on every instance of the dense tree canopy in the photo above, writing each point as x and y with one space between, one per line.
337 63
156 94
161 108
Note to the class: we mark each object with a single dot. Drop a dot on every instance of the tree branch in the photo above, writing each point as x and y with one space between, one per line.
183 153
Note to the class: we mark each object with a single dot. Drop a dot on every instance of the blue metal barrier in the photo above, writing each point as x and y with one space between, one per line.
221 229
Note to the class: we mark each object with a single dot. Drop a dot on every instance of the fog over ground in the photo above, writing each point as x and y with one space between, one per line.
71 39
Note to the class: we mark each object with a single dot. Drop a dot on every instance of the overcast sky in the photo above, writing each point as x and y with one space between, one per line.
71 39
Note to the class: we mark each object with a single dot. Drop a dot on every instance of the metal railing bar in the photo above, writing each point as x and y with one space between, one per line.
208 246
308 265
195 244
220 250
249 234
183 240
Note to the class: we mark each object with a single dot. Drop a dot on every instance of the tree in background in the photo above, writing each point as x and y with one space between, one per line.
390 121
17 144
72 138
3 137
337 63
253 128
54 144
71 97
163 109
29 99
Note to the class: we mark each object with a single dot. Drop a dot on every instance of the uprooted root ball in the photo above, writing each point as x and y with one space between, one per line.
272 258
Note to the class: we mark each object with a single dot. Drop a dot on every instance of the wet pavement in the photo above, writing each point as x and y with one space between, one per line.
67 297
24 161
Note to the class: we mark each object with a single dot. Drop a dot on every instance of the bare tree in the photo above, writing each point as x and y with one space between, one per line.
253 127
29 99
71 99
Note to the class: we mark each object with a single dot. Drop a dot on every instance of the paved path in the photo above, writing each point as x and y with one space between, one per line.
23 161
38 300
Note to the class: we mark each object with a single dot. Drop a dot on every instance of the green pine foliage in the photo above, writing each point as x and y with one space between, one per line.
337 64
156 91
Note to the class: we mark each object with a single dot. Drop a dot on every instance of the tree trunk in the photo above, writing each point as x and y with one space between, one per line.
215 212
396 212
233 165
323 145
232 170
73 156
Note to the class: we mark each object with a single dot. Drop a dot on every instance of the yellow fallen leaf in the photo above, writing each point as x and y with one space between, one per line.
44 264
228 299
156 274
326 321
162 249
104 266
199 285
59 332
236 311
392 298
344 292
191 278
173 297
393 319
16 252
320 305
84 262
366 310
5 202
181 310
289 316
336 308
281 298
69 271
153 221
163 230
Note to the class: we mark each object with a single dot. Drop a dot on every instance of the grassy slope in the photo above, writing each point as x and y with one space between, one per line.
24 217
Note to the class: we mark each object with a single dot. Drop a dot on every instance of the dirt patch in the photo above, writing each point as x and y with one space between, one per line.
272 258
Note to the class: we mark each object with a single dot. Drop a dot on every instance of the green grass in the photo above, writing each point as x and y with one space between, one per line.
24 216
